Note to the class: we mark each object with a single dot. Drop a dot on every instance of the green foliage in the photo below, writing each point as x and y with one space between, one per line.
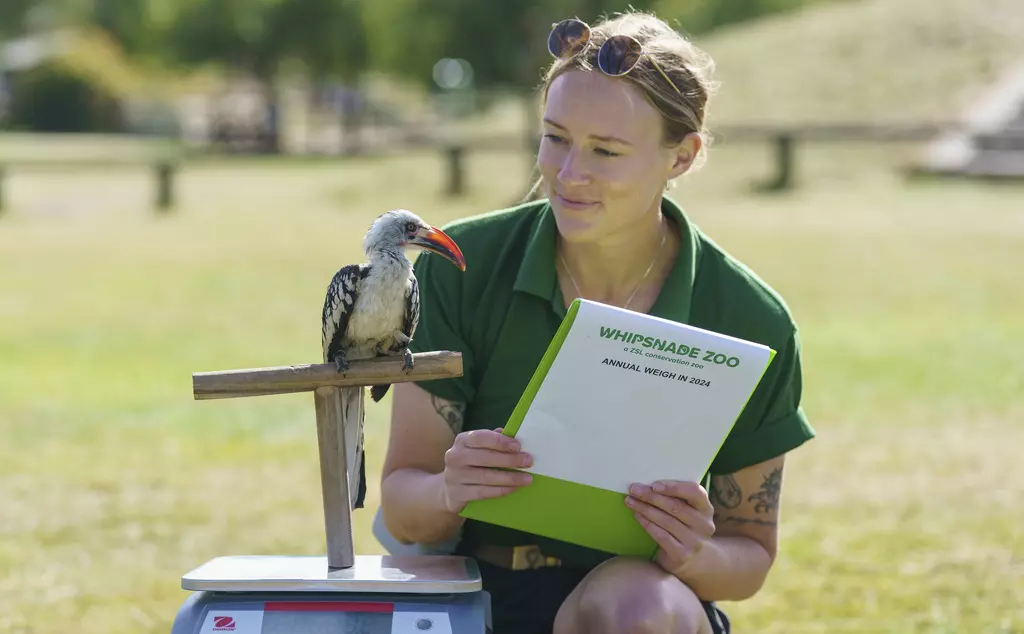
505 43
326 36
232 32
57 97
12 16
139 26
259 36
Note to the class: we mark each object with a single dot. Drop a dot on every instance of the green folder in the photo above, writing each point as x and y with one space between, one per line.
578 492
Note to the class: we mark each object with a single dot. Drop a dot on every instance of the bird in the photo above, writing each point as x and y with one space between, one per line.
372 308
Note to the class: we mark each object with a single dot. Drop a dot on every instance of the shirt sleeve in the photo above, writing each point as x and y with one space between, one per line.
774 421
441 325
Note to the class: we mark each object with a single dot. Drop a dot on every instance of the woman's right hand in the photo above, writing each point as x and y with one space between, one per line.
473 467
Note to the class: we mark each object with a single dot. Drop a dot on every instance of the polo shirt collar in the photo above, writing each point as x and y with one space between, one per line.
537 275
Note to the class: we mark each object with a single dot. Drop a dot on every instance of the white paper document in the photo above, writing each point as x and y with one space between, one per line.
634 398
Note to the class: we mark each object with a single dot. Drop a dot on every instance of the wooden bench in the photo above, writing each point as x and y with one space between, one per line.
163 157
164 176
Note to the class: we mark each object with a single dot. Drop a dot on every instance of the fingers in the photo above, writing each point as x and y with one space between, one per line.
463 457
672 554
690 532
473 476
471 493
673 514
487 439
484 448
483 464
680 530
691 492
465 484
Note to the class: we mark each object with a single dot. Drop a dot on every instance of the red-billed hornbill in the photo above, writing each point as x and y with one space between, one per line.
372 309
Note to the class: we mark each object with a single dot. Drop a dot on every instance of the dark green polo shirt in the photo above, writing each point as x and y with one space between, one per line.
502 312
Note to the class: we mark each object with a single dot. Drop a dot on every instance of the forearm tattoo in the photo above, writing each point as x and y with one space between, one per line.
453 413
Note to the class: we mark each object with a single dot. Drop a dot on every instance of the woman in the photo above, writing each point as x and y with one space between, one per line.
620 122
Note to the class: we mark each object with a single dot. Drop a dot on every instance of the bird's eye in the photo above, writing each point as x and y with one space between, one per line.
411 227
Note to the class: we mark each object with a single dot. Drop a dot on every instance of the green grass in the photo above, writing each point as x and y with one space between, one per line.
903 516
864 60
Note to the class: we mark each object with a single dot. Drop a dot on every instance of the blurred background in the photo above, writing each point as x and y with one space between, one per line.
179 180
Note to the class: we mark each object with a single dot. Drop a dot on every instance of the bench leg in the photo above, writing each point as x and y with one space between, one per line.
165 173
456 170
783 164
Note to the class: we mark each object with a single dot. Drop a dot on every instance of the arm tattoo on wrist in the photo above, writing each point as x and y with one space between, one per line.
452 413
725 492
768 497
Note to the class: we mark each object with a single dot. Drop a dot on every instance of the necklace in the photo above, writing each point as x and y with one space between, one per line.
635 289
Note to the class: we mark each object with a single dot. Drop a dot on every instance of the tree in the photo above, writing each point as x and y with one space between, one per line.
258 36
505 42
14 16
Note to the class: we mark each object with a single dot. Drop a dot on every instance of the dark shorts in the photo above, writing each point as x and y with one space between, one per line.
526 601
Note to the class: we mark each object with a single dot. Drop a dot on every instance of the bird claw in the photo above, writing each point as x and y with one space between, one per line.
407 361
341 363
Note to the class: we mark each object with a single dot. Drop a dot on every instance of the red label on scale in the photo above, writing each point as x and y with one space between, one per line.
329 606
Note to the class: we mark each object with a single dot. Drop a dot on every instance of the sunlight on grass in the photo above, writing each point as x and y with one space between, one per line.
902 516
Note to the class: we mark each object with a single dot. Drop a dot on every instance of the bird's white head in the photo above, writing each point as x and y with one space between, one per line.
398 229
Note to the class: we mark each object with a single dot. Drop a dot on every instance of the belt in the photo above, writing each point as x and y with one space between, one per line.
515 557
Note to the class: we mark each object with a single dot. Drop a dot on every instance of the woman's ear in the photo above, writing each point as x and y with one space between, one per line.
684 154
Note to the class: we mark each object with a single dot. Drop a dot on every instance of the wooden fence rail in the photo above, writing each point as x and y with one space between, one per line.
783 139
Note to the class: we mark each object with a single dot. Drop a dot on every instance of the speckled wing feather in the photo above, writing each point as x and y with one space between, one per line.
339 303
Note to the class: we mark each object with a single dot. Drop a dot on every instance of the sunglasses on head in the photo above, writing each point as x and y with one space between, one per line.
617 56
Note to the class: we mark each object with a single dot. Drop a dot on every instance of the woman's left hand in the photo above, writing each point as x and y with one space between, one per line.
678 515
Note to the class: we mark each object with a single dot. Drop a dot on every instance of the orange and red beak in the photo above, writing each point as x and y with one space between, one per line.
433 239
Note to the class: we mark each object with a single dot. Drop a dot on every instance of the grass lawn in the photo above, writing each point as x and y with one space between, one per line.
903 516
865 60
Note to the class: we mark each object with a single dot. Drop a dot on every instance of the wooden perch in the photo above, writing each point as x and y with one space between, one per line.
307 378
338 400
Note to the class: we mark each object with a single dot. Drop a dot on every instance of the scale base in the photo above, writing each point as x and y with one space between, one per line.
380 594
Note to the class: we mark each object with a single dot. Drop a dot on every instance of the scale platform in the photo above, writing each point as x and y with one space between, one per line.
431 594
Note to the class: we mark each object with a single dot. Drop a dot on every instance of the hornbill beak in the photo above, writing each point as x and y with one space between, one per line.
433 239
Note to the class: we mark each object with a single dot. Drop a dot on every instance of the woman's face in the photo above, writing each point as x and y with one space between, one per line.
602 158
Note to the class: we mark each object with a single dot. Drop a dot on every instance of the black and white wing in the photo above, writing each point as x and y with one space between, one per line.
339 303
412 308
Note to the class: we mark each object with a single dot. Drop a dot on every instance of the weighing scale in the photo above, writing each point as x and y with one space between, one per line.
341 592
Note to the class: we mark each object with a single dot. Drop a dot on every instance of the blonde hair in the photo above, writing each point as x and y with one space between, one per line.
689 68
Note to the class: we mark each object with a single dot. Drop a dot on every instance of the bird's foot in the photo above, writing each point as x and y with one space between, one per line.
341 363
407 361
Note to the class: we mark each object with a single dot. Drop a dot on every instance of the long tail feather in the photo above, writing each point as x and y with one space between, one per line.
377 392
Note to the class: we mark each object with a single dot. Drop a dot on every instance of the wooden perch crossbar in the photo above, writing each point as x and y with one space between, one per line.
307 378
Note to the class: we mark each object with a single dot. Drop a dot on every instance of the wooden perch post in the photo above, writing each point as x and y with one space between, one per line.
338 399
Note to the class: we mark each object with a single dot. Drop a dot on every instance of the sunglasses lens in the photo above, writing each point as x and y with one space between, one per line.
619 54
568 38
